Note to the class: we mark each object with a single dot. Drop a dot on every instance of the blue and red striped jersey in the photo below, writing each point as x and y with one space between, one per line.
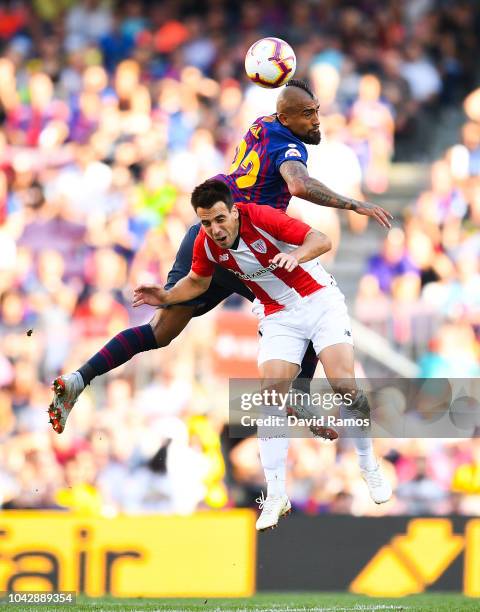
254 175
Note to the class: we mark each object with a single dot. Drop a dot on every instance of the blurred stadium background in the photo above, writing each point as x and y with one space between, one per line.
110 113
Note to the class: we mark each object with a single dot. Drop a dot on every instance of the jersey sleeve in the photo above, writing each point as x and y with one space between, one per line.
284 147
278 224
201 265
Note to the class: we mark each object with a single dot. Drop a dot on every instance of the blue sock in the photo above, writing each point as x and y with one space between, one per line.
118 350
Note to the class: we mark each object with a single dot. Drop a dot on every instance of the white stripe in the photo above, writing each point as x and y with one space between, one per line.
312 267
208 251
272 285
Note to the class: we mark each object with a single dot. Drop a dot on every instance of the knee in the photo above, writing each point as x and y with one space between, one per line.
344 382
161 334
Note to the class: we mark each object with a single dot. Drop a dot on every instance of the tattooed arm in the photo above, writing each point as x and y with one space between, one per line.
302 185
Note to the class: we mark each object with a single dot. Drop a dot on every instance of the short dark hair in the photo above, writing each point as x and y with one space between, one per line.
301 85
209 193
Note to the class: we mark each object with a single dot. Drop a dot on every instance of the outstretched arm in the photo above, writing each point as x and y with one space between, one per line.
302 185
189 287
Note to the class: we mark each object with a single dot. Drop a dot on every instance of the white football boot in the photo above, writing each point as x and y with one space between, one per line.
273 507
378 486
66 390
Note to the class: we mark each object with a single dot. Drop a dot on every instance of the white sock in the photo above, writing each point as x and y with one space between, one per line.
273 455
79 379
363 446
366 456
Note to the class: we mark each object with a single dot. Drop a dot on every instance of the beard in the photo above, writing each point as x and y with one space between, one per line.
312 138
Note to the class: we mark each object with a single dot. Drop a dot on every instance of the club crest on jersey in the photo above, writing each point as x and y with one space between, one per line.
293 153
223 257
259 246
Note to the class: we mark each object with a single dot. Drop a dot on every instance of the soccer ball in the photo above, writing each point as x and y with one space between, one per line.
270 62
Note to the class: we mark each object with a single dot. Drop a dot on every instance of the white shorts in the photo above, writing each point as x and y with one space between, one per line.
321 317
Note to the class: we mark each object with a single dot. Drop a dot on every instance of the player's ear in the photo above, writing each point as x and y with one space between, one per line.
235 211
282 117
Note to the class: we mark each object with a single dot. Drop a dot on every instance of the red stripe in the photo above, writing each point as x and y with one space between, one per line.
126 344
108 356
139 334
264 166
300 280
268 302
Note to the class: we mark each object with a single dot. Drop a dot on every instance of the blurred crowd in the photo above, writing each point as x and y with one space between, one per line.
422 290
110 113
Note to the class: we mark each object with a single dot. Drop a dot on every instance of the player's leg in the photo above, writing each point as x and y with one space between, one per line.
281 347
302 384
165 325
307 371
163 328
275 375
332 338
338 363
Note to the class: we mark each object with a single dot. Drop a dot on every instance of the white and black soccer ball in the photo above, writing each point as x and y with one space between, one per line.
270 62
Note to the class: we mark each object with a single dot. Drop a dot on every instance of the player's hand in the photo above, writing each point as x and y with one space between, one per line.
285 260
381 216
153 295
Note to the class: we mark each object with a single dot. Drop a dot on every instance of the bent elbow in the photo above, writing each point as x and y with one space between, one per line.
296 188
202 286
327 245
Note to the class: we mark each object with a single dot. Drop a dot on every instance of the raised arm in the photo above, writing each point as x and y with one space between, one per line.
302 185
189 287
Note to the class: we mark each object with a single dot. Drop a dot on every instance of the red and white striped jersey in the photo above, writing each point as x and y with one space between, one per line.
264 232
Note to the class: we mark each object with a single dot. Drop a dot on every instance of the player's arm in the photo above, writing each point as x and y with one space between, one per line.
314 245
189 287
311 243
302 185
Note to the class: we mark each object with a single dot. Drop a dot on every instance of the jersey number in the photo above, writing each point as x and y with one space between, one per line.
249 164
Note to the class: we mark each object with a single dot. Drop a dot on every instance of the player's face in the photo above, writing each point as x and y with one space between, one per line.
304 122
220 224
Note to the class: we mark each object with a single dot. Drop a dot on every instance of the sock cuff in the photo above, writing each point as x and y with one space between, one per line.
149 337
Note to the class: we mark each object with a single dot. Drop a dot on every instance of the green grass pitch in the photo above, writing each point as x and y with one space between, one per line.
275 602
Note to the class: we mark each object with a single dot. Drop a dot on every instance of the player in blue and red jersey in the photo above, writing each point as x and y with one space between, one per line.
254 175
269 167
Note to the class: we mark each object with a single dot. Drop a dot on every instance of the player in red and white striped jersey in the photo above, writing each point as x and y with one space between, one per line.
276 256
263 235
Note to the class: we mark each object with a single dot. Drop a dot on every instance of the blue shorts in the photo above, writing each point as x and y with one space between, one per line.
223 285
